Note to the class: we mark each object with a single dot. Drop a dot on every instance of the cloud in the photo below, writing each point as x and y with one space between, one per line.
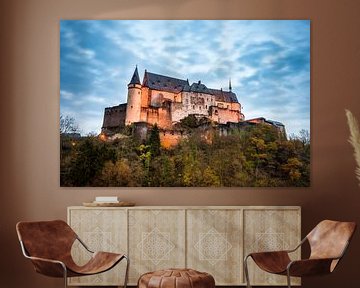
69 40
66 95
267 61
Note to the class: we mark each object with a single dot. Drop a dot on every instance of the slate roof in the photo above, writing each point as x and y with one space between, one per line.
135 78
224 96
199 88
175 85
275 123
164 83
272 122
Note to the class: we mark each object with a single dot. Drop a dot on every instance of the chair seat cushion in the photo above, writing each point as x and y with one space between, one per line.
272 262
176 278
99 262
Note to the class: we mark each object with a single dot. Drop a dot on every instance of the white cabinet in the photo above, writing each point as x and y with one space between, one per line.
210 239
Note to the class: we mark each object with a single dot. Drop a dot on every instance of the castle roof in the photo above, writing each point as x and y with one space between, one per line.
199 88
224 96
135 78
264 120
163 83
175 85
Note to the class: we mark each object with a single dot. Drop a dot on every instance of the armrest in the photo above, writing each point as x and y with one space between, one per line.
298 246
309 267
315 266
48 267
280 251
84 245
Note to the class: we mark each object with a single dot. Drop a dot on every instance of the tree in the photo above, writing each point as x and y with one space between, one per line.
154 141
121 173
210 178
162 171
292 168
88 160
68 125
304 136
191 121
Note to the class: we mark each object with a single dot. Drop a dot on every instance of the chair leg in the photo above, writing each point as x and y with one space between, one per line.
65 276
288 278
246 272
127 271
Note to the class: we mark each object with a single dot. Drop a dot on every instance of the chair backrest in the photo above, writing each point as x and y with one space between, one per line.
329 239
46 239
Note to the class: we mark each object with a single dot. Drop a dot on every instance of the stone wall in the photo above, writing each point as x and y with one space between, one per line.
157 97
224 115
169 139
114 117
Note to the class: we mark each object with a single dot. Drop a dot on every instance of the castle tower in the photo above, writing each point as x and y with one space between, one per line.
133 108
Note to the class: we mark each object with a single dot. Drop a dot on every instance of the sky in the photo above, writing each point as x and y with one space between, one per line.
268 62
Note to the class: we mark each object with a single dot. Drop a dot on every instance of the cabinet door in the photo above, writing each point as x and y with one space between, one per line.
214 244
156 240
101 230
270 230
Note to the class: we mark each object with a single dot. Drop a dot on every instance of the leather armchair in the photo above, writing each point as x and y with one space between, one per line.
328 242
48 245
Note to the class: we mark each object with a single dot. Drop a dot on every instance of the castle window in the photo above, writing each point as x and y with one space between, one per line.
131 106
138 92
200 107
193 106
205 106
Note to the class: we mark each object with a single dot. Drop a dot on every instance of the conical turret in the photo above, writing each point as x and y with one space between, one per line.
133 107
135 78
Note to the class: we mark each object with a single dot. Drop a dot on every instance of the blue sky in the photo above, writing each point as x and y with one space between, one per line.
268 62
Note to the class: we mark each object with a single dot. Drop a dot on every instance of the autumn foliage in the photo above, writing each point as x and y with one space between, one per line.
254 156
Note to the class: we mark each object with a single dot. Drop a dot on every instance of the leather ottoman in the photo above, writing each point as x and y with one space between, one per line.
176 278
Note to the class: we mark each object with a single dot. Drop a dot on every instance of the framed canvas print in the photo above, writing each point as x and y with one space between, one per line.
185 103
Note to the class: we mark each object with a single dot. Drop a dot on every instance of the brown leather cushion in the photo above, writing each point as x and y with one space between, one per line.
176 278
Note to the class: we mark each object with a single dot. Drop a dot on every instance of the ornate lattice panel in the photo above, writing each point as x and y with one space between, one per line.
270 230
214 241
208 239
156 240
101 230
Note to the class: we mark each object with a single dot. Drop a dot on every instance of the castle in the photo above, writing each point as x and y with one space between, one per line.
165 101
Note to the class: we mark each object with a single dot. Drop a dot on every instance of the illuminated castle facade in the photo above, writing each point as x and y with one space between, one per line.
164 101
